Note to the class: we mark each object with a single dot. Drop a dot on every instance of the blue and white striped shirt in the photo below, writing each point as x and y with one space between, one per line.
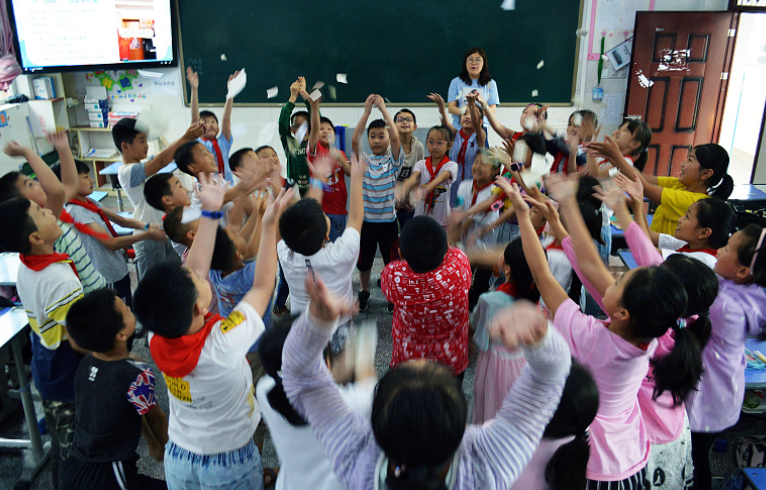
378 186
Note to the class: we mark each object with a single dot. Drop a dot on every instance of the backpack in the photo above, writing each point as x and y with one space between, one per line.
749 452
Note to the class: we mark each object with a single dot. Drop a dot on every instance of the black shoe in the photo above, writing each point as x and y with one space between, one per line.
390 307
364 299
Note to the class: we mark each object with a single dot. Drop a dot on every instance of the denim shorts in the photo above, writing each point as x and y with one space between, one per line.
235 470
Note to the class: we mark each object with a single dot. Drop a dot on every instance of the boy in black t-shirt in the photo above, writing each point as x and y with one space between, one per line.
114 398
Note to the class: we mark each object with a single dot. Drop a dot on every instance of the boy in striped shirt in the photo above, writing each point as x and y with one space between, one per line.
379 228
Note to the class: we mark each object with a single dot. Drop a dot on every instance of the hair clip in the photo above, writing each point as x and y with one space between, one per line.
681 322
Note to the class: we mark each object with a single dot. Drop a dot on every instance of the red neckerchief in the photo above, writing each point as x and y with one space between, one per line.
40 262
507 288
218 154
516 135
554 246
92 207
475 192
430 199
540 230
178 357
461 153
83 228
560 161
709 251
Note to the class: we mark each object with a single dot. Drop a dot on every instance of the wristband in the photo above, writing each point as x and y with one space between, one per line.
146 227
212 214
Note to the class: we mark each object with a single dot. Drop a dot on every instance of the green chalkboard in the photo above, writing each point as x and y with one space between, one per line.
401 49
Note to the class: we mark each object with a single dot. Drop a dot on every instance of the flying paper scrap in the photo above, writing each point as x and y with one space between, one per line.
341 78
541 64
151 122
508 5
315 95
535 93
581 32
577 119
332 92
301 132
318 85
223 57
190 214
272 92
237 85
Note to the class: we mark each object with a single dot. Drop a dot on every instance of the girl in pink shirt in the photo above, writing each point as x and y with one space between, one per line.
642 305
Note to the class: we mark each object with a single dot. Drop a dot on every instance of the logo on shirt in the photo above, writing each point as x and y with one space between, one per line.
93 373
232 321
178 388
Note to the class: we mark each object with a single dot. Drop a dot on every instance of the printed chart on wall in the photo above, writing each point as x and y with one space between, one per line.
613 20
136 85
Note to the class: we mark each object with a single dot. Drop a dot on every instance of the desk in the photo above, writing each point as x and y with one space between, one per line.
13 328
112 170
618 233
755 378
748 192
627 258
122 231
9 268
756 476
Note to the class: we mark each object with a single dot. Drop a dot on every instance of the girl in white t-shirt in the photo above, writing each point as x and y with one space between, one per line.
642 306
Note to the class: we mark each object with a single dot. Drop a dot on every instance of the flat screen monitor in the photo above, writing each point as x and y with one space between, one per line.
66 35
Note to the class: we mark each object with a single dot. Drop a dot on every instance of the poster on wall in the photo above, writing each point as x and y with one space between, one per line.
131 85
747 5
613 20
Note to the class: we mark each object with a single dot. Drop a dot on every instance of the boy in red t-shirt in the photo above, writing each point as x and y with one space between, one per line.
322 145
429 290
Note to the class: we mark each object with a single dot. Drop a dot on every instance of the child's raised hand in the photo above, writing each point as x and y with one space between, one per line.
196 130
59 140
295 88
608 149
14 149
471 98
508 146
540 113
324 305
613 196
156 233
436 98
369 103
379 102
277 206
321 168
561 188
519 325
634 188
210 191
546 208
514 194
481 100
233 76
358 167
193 78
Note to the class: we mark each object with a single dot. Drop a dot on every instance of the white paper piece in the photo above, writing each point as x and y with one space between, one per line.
237 85
267 135
190 214
315 95
581 32
536 171
152 123
508 5
529 123
535 93
94 153
643 81
520 150
332 92
96 93
318 85
300 134
223 57
577 119
541 64
341 78
150 74
272 92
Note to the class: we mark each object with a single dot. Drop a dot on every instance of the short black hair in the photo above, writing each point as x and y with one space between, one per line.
535 142
224 251
165 298
270 350
8 189
157 187
299 114
423 243
327 120
93 322
174 227
376 124
208 114
414 119
184 156
17 225
235 160
444 130
82 168
124 132
263 147
303 227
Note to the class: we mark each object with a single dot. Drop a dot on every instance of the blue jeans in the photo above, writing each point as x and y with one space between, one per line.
235 470
337 225
605 249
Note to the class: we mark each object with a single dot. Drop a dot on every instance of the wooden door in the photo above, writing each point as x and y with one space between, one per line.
678 81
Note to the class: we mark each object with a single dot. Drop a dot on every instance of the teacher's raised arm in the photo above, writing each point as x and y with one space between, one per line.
474 76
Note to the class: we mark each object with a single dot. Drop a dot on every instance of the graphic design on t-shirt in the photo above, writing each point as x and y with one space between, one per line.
232 321
141 392
405 173
178 388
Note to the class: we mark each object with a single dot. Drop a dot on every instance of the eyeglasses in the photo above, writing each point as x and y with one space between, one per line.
404 119
475 61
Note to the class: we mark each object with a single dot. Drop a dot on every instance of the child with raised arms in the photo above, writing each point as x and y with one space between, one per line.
406 125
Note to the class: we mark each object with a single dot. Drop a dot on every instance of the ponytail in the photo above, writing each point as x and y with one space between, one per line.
521 275
714 157
680 370
279 402
576 411
720 217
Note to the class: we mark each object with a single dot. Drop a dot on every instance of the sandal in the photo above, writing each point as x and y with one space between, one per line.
270 477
